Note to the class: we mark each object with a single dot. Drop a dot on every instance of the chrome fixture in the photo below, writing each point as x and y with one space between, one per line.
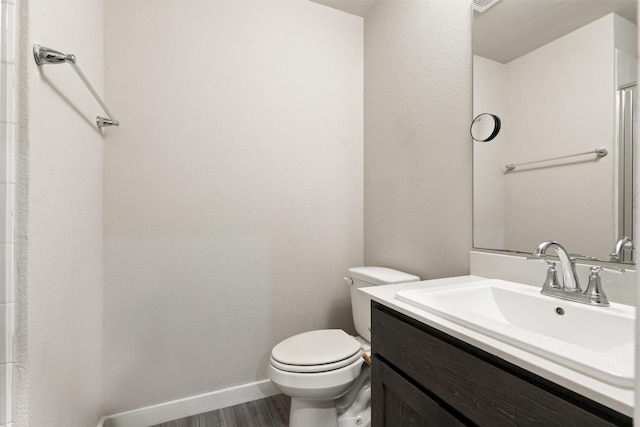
44 55
570 288
601 152
623 246
570 281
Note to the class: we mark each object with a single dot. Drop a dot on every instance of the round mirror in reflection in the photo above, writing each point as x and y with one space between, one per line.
485 127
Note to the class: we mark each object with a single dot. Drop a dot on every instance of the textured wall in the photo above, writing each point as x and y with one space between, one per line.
541 124
489 96
417 144
60 210
233 197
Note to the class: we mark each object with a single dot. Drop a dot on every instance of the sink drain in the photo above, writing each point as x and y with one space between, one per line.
560 310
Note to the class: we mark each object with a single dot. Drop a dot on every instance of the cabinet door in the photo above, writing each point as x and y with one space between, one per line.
486 390
397 402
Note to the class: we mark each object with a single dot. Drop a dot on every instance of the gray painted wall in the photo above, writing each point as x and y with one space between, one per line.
233 189
59 236
417 167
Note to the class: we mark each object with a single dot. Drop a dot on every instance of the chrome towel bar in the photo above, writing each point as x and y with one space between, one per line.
44 55
601 152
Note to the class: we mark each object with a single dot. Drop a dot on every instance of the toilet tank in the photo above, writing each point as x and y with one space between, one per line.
360 277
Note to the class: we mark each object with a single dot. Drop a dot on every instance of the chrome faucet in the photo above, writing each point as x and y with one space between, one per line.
570 288
570 278
623 246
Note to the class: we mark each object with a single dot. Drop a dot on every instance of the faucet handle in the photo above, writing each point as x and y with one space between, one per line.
551 263
575 257
541 258
594 290
551 281
598 268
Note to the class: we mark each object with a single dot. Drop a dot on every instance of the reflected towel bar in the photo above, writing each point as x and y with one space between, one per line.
601 152
44 55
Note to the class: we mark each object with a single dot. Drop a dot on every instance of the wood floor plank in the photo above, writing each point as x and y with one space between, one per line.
253 414
270 412
279 407
225 417
182 422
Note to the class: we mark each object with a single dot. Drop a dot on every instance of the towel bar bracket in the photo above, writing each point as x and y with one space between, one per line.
44 55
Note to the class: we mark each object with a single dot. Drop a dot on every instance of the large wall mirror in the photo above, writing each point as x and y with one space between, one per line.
561 76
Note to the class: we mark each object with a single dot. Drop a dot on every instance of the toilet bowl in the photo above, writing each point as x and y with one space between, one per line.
322 370
316 365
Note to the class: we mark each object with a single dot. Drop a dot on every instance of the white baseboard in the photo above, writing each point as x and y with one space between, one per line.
188 406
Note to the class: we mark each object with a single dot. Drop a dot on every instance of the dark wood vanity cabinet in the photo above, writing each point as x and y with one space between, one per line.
424 377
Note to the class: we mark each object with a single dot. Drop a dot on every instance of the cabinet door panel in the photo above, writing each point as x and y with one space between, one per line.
397 402
484 392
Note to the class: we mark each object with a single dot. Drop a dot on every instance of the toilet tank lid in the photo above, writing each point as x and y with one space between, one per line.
381 275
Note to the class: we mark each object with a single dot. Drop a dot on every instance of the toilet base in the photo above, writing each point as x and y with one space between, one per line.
305 413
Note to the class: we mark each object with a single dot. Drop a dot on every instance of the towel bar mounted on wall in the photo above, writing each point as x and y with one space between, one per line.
44 55
601 152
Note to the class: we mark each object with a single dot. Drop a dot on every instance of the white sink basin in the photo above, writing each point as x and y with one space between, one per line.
597 341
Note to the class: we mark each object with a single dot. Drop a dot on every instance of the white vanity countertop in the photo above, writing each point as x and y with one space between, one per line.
619 399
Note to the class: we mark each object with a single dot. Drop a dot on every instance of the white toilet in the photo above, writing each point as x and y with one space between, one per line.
323 371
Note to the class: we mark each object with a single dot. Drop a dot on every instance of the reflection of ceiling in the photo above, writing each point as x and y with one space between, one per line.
355 7
511 28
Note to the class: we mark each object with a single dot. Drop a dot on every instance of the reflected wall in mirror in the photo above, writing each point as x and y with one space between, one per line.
558 73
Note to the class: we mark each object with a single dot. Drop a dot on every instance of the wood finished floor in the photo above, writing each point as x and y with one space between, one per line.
270 412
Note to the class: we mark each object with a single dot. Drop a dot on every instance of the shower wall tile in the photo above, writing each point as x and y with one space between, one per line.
7 80
3 89
7 274
6 295
9 345
3 394
7 203
8 41
7 152
10 155
8 388
6 401
4 24
3 342
7 217
6 344
3 211
6 130
8 213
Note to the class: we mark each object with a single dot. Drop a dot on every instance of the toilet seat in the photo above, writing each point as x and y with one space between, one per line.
316 351
316 368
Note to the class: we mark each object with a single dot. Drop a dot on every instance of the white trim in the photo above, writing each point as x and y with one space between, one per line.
8 117
176 409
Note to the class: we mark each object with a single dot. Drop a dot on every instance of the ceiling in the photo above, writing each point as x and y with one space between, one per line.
355 7
512 28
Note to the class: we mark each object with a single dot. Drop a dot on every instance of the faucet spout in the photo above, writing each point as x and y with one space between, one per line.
569 276
623 246
570 288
